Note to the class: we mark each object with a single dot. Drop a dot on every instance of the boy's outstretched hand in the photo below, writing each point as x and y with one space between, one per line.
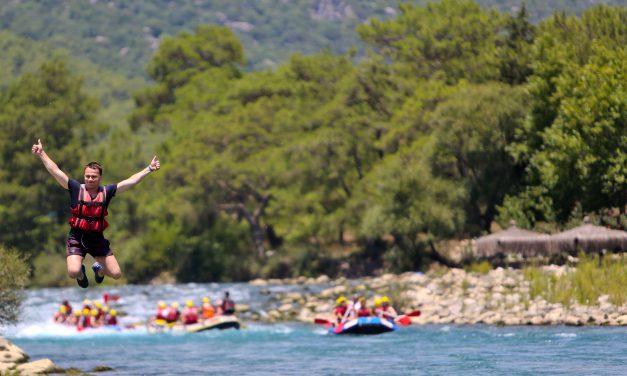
154 164
38 148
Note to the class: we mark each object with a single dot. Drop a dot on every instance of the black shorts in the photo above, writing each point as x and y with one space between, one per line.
81 243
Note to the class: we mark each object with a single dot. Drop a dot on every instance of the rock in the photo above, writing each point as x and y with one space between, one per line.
9 353
4 367
286 308
323 279
573 320
622 320
293 296
37 367
258 282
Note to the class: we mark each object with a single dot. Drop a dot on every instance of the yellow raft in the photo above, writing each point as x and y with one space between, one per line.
218 322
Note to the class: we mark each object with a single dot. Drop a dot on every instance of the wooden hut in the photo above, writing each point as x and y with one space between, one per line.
513 240
589 238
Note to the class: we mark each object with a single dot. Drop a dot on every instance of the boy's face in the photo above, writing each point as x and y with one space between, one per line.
92 178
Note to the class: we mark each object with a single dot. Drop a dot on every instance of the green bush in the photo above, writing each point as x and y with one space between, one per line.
14 274
482 267
593 277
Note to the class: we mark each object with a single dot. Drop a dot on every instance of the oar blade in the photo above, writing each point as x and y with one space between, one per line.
324 322
415 313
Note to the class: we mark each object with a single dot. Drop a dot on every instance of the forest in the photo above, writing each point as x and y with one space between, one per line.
457 119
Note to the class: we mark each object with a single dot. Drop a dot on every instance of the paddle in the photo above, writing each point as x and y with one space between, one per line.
324 322
404 319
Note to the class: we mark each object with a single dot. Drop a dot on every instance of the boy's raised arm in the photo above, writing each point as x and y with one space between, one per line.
53 169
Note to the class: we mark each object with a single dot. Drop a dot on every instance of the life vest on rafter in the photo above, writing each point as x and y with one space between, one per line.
89 214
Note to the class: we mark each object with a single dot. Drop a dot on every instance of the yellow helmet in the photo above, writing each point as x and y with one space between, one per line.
340 300
77 313
94 312
385 299
97 304
162 304
175 304
87 302
189 303
62 309
86 311
205 300
377 302
113 312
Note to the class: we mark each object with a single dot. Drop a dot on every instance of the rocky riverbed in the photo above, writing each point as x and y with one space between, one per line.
445 296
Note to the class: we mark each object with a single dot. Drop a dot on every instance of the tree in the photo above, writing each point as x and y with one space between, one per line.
516 55
14 274
473 131
448 40
574 140
47 104
179 59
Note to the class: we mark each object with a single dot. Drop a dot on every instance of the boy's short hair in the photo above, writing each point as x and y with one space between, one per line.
94 165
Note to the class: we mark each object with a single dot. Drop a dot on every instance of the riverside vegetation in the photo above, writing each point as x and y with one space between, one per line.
458 119
592 293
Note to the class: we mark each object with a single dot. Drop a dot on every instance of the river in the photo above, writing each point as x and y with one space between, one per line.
304 349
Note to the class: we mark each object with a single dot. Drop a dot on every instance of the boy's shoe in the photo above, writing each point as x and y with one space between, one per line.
83 282
96 267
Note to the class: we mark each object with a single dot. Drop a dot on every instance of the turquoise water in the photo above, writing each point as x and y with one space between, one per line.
302 349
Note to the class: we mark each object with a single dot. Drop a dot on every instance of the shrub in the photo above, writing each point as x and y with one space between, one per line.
14 275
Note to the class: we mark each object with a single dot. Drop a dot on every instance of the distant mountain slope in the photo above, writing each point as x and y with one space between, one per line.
121 35
20 55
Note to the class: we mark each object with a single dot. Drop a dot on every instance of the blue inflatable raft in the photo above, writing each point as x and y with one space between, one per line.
364 325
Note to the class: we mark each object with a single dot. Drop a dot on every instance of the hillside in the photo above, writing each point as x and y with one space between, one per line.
121 36
113 89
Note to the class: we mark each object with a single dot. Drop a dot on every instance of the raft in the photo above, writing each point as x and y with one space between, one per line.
218 322
364 325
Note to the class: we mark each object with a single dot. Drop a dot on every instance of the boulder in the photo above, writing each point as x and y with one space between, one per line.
37 367
9 353
4 367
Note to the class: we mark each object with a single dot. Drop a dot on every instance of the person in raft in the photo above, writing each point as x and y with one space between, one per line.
88 205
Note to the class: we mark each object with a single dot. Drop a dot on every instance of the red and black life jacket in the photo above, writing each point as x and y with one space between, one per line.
363 312
172 315
340 310
89 214
191 315
228 306
161 312
111 320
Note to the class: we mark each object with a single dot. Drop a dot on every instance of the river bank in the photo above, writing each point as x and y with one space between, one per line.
445 296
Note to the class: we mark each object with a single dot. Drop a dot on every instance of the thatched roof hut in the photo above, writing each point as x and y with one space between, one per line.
589 238
514 240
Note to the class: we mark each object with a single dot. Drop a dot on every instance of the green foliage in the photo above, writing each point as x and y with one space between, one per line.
14 272
458 113
47 104
516 55
575 140
474 129
592 278
122 36
482 267
448 40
